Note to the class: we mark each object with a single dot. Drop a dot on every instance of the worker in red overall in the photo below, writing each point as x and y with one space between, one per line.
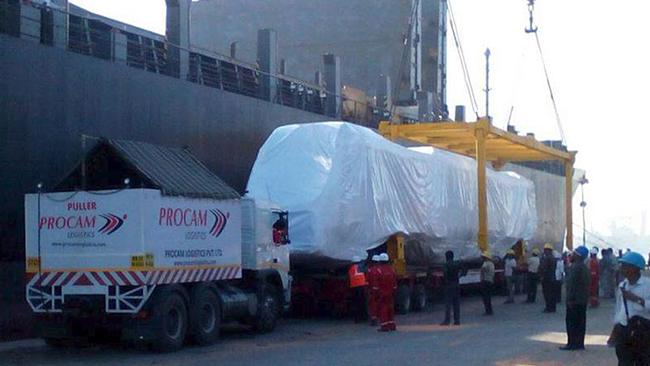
373 275
595 276
387 287
358 284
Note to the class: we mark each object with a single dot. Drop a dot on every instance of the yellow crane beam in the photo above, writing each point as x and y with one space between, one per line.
486 143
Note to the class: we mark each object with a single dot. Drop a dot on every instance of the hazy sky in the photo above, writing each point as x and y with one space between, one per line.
598 58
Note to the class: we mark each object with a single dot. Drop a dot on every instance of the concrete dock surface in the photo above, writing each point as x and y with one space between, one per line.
518 334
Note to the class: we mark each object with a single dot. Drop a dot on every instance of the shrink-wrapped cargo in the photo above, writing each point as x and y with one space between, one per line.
348 189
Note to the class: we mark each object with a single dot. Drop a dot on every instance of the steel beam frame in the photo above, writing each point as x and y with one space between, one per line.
486 143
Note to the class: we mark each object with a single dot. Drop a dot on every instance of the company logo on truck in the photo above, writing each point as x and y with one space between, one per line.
113 223
79 223
194 219
82 222
220 221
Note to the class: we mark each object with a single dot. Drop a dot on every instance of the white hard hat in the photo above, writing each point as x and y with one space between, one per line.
356 258
594 250
383 257
375 258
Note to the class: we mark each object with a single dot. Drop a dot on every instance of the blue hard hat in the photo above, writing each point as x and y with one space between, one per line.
634 259
582 251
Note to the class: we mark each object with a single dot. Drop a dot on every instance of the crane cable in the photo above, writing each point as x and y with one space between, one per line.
534 29
595 236
550 90
463 62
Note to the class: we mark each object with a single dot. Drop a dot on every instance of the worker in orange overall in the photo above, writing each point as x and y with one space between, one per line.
373 276
358 285
595 275
387 287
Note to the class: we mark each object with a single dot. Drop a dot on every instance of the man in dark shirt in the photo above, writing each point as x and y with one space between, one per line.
451 287
577 296
547 266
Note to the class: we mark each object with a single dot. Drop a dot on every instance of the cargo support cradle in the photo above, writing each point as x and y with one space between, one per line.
484 142
124 292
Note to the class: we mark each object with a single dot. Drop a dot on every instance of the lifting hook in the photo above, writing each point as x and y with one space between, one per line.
531 9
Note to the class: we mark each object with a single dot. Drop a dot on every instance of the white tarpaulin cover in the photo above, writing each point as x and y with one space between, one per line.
347 189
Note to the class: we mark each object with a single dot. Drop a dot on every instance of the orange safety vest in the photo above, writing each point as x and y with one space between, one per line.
357 278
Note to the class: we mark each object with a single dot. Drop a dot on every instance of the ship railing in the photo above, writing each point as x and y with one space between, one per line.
95 37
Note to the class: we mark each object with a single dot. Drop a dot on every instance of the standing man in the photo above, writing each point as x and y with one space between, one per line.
533 278
618 277
577 295
387 287
595 278
373 276
510 264
520 275
487 281
607 273
633 309
358 285
547 267
451 288
559 276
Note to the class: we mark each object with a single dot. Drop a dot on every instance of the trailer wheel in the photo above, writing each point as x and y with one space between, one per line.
403 299
170 315
205 315
267 309
419 301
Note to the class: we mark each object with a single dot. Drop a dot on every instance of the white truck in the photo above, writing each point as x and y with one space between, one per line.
153 267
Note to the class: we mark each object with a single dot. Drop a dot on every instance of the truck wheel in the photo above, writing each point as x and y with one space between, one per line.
205 315
267 309
170 314
403 299
419 301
